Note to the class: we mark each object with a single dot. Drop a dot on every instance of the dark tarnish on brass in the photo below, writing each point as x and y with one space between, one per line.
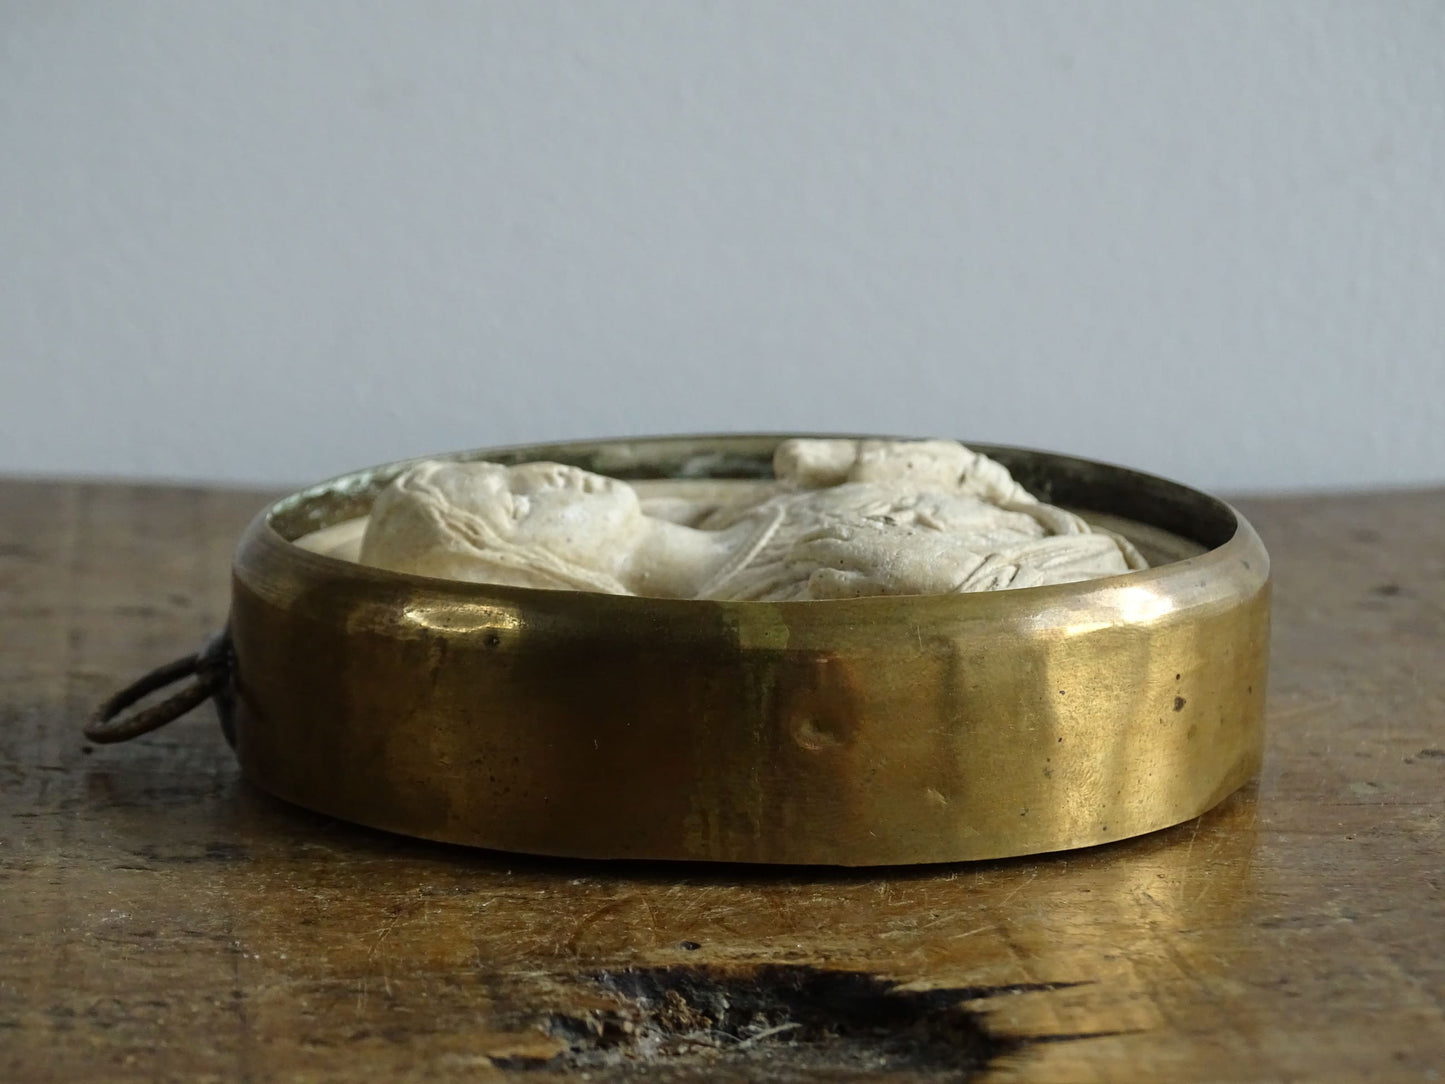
851 732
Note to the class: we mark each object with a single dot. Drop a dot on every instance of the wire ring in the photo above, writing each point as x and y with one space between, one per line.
211 667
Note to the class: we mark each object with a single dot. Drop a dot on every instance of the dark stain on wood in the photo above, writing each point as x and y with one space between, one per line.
775 1022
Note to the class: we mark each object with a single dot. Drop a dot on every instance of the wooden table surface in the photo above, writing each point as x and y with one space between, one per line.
160 919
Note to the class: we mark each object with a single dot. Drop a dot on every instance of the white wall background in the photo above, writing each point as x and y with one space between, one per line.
273 240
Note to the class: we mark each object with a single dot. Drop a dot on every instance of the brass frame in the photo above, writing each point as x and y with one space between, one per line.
855 732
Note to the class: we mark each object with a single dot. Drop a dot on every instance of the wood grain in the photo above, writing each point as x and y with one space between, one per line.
159 919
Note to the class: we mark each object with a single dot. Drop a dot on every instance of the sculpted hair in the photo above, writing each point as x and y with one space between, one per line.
416 495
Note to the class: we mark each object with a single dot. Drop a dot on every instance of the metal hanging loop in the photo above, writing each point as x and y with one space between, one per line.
211 667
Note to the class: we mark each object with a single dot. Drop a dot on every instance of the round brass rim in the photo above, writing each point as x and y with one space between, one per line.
854 732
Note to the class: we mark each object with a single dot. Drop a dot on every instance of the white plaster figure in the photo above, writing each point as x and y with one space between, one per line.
844 518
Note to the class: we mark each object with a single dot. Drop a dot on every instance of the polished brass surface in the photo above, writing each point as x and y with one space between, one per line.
852 732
